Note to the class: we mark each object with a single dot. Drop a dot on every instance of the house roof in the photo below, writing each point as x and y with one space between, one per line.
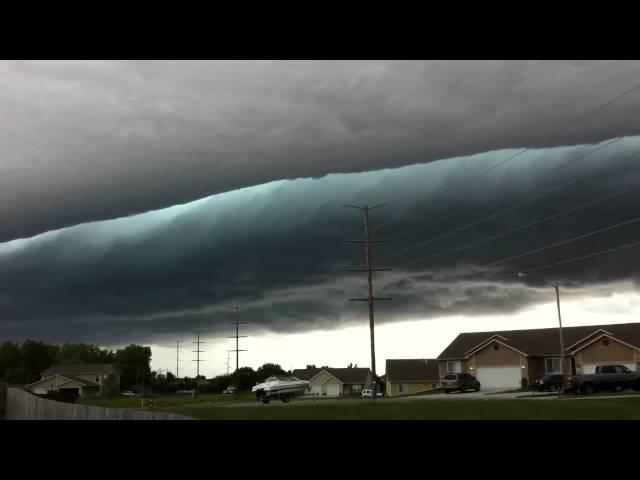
540 341
306 373
84 369
345 375
82 381
69 378
412 370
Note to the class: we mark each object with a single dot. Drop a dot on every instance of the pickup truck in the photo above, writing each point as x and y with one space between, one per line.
607 377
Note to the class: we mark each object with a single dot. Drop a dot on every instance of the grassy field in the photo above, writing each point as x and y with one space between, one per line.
169 402
243 407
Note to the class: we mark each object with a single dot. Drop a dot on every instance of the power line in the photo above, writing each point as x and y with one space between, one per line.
487 171
522 227
583 257
563 242
502 162
370 299
197 351
593 112
490 216
550 265
544 174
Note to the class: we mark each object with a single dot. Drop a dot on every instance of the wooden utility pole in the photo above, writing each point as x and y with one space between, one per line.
371 299
237 323
197 351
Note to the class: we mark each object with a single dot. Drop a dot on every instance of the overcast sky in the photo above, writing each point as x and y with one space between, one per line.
140 200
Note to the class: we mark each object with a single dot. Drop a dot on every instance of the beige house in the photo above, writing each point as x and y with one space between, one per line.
510 359
335 382
406 376
82 380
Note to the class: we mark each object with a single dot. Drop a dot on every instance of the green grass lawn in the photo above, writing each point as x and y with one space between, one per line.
227 407
481 409
164 402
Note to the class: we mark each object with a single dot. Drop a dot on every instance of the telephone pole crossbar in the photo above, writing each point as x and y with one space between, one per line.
370 299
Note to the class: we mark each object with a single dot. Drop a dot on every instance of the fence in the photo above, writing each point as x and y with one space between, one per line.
3 399
23 405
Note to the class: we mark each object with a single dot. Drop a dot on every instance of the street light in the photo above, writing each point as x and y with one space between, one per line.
557 289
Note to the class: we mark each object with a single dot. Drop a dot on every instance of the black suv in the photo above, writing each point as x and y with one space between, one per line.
459 381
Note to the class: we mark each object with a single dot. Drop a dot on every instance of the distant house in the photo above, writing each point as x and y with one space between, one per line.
83 380
405 376
335 382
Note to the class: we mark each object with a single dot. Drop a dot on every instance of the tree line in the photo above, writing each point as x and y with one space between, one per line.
23 363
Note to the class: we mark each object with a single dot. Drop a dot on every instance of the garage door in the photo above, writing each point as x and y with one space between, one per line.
499 377
589 368
332 390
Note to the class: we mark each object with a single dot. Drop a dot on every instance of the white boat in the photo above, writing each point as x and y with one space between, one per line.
282 388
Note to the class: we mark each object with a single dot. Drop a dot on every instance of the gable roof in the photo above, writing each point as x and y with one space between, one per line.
594 339
68 378
345 375
412 370
84 369
306 373
588 337
81 381
540 341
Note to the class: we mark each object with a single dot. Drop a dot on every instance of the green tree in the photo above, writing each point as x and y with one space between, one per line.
244 378
110 387
84 353
268 369
134 362
37 356
221 382
10 358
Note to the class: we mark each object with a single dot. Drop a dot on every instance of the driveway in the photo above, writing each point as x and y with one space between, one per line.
488 394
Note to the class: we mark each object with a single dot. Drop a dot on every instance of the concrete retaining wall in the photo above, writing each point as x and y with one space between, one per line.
22 405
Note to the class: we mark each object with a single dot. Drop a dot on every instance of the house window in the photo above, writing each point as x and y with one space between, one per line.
97 379
454 366
357 388
552 365
402 387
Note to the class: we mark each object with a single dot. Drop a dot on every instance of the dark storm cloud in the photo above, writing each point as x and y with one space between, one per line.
84 141
279 250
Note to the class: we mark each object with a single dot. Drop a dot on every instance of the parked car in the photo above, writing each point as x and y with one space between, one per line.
551 382
128 393
607 377
229 390
367 392
460 381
